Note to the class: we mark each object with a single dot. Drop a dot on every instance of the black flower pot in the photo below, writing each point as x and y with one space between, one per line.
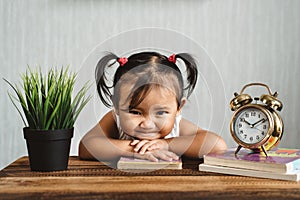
48 150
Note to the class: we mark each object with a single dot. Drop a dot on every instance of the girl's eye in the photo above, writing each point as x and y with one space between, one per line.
161 112
134 112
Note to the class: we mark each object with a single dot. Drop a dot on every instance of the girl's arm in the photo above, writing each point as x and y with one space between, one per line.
194 142
101 142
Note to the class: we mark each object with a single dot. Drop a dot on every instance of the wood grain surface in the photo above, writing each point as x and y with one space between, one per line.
95 180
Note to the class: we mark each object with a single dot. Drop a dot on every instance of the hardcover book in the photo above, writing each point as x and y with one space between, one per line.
134 163
280 160
290 176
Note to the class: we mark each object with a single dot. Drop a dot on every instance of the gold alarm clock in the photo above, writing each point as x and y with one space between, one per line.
256 126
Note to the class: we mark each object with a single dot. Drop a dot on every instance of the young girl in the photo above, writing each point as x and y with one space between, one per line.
145 122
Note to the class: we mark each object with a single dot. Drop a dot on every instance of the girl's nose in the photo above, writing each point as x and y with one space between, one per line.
147 123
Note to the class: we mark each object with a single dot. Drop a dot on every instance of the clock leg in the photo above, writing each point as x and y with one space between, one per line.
264 150
238 149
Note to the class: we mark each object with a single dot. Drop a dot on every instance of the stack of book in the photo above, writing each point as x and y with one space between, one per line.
281 163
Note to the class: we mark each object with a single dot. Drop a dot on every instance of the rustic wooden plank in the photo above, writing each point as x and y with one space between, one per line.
77 167
206 186
93 179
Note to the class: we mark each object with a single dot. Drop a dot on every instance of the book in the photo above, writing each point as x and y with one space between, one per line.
134 163
280 160
290 176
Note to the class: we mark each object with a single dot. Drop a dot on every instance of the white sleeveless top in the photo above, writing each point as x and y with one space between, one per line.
173 133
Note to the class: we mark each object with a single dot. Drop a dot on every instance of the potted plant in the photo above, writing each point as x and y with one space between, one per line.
49 114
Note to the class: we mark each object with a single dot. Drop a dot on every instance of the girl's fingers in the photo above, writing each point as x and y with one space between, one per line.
134 142
139 145
157 155
150 146
146 147
153 147
152 158
147 156
172 155
163 156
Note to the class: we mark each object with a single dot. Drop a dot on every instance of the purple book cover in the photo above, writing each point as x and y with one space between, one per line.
279 156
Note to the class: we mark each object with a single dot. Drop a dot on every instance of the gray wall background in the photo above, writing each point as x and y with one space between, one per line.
246 40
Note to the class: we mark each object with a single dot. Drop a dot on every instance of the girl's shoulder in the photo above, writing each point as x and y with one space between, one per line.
187 127
108 117
108 125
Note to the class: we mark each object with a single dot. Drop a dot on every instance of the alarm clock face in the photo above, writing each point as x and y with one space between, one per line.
251 125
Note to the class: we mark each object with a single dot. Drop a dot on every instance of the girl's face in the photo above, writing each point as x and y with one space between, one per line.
153 118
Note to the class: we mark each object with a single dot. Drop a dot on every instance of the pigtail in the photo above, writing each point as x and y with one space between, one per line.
103 88
191 70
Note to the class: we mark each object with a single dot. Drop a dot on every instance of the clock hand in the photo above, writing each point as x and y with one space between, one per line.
259 121
247 122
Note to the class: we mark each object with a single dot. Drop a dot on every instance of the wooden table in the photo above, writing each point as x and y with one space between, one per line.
95 180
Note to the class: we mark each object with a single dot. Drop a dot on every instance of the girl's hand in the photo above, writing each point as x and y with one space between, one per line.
156 155
142 146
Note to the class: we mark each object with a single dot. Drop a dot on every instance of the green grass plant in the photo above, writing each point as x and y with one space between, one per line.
47 100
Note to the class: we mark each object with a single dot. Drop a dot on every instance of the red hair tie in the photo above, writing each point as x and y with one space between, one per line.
122 61
172 58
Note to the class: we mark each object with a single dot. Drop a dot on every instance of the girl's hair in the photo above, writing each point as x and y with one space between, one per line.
144 71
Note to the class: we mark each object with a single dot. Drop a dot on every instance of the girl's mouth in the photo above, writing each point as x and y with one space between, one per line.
147 134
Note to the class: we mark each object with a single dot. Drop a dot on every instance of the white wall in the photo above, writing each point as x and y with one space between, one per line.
240 42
